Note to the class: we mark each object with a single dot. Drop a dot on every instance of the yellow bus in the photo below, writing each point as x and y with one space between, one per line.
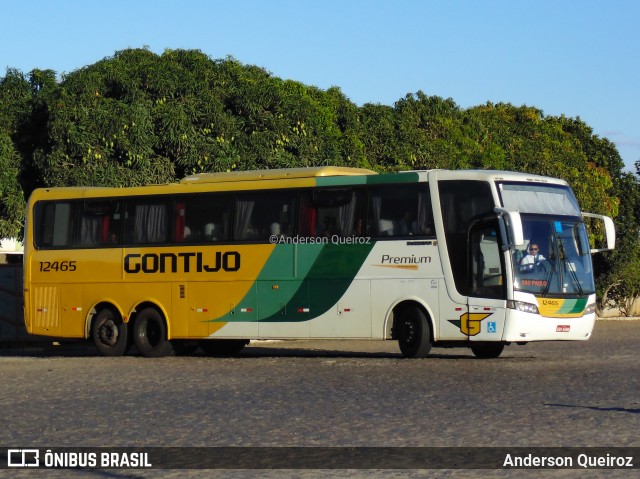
427 258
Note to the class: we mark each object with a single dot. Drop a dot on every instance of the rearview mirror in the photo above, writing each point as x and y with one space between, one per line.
609 229
513 226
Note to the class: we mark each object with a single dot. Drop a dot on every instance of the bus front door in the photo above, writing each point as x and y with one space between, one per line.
485 317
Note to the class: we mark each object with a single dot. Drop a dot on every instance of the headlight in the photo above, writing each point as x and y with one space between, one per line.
522 306
591 308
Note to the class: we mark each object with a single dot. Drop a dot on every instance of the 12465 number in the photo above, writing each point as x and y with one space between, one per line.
47 266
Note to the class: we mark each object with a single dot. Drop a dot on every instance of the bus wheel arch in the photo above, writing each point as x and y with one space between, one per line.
413 329
108 330
150 331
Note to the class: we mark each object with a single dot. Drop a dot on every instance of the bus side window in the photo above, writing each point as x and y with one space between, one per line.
146 221
201 218
99 223
262 214
328 212
400 210
54 224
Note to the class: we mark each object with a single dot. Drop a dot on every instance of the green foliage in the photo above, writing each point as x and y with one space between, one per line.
15 98
139 118
618 278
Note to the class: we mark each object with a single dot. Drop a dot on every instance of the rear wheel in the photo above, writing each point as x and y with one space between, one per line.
413 332
487 350
150 334
110 333
223 347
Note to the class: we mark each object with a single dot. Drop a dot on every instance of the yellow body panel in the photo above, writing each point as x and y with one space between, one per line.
65 286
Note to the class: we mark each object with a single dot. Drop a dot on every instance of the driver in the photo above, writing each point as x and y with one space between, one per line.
533 259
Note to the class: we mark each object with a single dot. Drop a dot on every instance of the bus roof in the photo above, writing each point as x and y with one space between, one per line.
498 175
276 174
328 176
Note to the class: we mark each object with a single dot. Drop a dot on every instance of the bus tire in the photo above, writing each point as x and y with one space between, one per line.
487 350
413 332
109 333
223 347
150 334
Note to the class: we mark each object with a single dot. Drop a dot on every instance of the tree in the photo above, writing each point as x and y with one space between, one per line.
618 277
15 97
139 118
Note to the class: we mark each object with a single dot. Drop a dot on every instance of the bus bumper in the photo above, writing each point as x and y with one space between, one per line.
525 327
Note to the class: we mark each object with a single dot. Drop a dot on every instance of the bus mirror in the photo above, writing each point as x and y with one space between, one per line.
609 229
513 226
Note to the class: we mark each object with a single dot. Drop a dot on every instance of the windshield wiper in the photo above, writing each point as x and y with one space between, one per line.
552 262
569 268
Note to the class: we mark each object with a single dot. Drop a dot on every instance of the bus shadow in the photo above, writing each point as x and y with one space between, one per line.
36 349
87 349
260 352
597 408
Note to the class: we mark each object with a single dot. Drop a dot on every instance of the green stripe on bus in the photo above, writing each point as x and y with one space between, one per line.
329 278
409 177
573 306
323 274
341 180
383 179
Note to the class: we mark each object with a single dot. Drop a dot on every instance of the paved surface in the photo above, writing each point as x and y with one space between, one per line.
328 393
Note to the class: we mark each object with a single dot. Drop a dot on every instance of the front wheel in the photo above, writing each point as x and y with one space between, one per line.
413 333
487 350
110 333
150 334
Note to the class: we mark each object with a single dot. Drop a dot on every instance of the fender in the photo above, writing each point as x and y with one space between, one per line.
388 322
155 303
93 310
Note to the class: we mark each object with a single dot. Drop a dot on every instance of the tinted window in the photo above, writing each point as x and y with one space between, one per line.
462 202
332 211
262 214
53 224
146 221
202 218
100 223
400 210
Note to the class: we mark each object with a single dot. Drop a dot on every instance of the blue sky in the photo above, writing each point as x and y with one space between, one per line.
577 58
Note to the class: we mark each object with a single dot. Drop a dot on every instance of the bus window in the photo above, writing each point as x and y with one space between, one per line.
331 212
462 201
262 214
400 210
100 223
53 224
146 221
202 218
486 275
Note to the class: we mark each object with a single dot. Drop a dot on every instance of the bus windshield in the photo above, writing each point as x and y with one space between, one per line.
555 259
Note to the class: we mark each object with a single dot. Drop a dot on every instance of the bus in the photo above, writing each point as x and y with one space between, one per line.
425 258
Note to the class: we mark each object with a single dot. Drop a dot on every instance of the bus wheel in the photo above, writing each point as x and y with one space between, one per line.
223 347
413 333
150 334
110 333
487 350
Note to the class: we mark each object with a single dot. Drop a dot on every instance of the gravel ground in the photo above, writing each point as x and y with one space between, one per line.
327 393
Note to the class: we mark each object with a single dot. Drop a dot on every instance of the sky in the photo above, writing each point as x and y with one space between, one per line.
572 58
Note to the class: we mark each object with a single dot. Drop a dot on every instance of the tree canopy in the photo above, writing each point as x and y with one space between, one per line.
139 118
